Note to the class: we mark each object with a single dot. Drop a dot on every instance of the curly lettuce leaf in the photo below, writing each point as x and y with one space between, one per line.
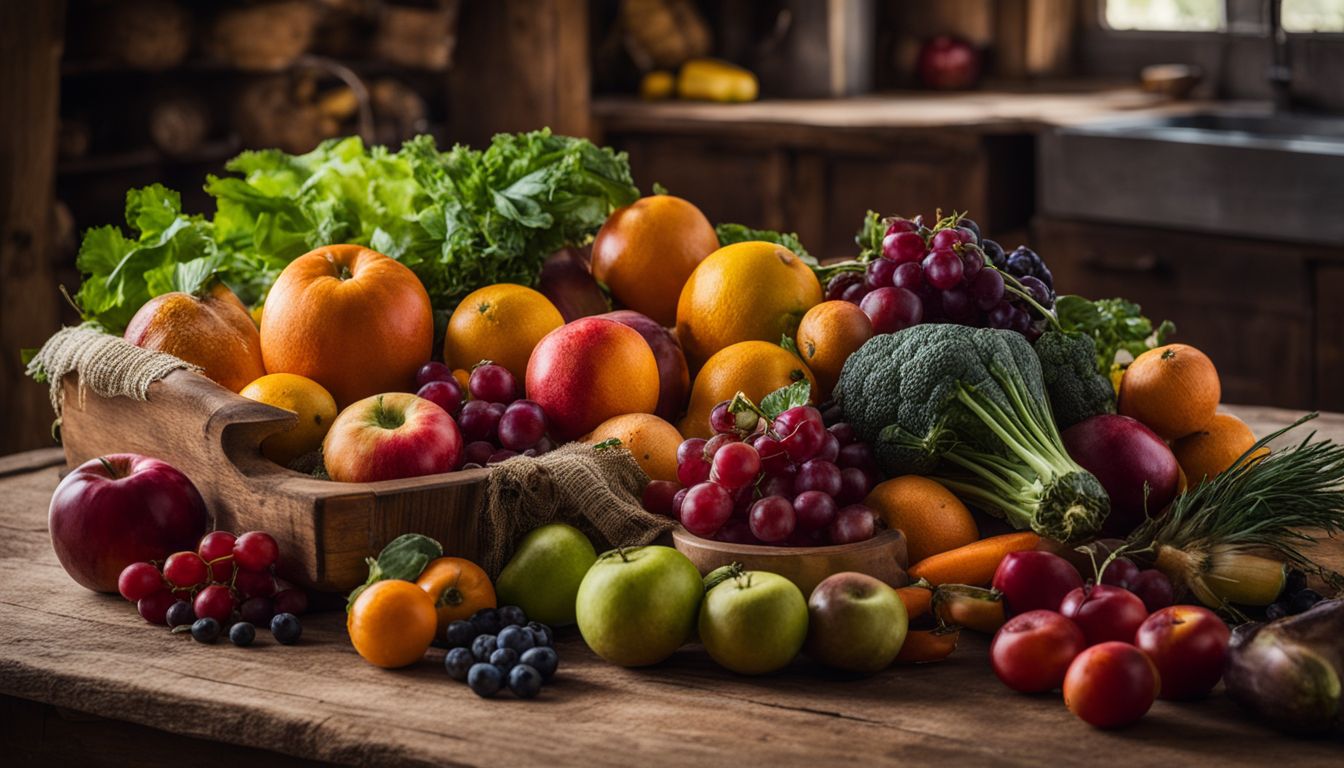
1115 324
739 233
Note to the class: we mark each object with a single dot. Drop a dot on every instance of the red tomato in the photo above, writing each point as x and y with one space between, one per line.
1033 650
1031 580
1111 685
1104 613
1188 645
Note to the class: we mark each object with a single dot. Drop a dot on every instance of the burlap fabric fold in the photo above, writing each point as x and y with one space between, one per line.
107 364
597 490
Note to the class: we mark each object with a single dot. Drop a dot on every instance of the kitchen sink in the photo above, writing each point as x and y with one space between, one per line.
1261 174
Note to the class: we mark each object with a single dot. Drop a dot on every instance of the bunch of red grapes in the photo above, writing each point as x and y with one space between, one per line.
226 575
789 481
947 274
496 423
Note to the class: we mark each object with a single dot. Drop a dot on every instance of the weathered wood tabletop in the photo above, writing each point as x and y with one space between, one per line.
91 655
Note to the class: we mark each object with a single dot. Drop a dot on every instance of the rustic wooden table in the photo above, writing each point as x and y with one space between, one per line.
83 678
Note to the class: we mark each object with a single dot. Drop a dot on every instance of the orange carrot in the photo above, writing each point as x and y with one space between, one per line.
917 598
924 645
973 564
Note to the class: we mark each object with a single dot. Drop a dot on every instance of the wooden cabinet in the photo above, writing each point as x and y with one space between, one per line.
1273 331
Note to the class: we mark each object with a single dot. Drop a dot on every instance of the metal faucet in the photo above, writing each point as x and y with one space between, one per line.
1280 72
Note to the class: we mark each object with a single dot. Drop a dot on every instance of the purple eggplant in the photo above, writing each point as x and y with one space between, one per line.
1289 672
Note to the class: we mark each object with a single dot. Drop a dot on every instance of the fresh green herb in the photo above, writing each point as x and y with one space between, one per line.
404 558
869 236
738 233
782 399
1115 324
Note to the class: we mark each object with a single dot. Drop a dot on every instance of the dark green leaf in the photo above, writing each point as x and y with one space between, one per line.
739 233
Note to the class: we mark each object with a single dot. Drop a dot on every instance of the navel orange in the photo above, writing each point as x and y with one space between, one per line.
1174 390
1207 452
501 322
652 441
755 368
827 336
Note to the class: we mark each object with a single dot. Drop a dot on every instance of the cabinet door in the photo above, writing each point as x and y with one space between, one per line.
1329 284
1247 304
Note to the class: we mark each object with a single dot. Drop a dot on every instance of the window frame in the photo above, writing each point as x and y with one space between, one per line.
1242 18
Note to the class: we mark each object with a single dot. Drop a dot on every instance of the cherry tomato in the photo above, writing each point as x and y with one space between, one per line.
1033 650
1111 685
1188 645
1104 613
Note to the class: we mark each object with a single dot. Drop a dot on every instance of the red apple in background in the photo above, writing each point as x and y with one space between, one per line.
1033 650
116 510
1104 613
390 436
571 287
1188 645
948 63
674 377
1125 456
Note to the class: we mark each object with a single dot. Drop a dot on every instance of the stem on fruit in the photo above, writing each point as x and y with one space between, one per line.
620 550
107 465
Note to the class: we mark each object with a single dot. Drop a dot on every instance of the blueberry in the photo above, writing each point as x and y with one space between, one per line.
544 660
483 646
458 662
524 681
205 630
460 634
180 614
541 634
512 614
286 628
1303 600
504 658
517 638
485 680
242 634
486 621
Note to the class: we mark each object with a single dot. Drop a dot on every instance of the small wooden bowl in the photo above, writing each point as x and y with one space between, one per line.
882 556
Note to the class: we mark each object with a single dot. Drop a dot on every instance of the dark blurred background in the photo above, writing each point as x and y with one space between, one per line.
1186 154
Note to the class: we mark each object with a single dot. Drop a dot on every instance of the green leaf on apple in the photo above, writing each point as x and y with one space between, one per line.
404 558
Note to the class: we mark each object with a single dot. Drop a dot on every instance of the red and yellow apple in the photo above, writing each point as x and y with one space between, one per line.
121 509
587 371
1188 645
391 436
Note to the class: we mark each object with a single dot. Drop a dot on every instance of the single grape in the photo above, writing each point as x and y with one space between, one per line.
457 662
1039 293
818 475
987 289
835 287
658 495
994 253
959 306
1002 316
854 293
903 247
909 276
544 660
256 551
718 441
242 634
786 422
504 658
735 465
892 309
154 607
855 485
286 628
972 230
879 272
830 447
779 485
833 414
814 510
679 499
942 269
138 581
843 431
773 456
544 445
484 679
522 425
852 524
445 394
721 420
1120 572
257 610
524 681
946 238
477 452
1021 319
179 614
804 442
205 630
972 261
772 519
857 455
216 549
216 602
706 508
898 224
478 421
433 371
492 383
742 499
185 570
254 583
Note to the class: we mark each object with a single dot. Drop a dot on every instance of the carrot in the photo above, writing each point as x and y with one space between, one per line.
917 598
974 563
974 608
925 645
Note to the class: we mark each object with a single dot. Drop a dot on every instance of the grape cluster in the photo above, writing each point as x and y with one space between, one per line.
947 274
228 580
790 481
496 424
498 648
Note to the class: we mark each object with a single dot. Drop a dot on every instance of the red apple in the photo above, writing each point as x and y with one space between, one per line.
674 377
1033 650
1125 456
1104 613
389 436
121 509
1188 645
948 63
568 283
1032 580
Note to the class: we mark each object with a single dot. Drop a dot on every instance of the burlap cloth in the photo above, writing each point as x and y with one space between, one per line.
597 490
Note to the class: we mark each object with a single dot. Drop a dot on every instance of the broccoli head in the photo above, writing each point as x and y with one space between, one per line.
1069 366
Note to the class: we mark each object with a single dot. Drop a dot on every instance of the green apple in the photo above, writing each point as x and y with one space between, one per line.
637 606
856 623
544 574
753 623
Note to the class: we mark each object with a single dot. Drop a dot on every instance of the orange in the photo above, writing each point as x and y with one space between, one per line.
755 368
314 406
501 322
933 518
392 623
645 252
349 318
458 587
463 377
742 292
1213 449
212 330
653 442
827 336
1174 390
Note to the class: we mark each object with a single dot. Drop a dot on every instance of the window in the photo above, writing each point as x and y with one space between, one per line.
1313 15
1173 15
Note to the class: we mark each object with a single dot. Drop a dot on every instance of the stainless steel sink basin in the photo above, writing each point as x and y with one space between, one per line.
1277 176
